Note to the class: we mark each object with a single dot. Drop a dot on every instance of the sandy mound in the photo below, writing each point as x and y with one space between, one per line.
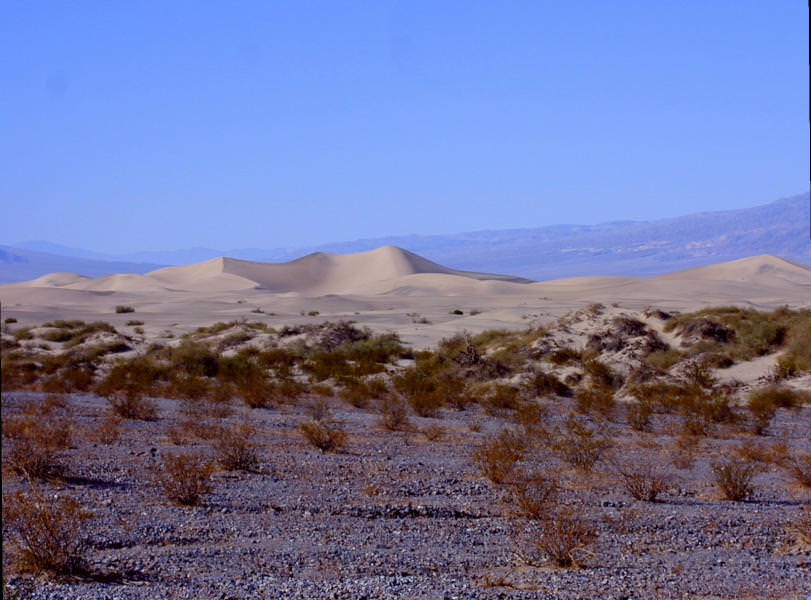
765 268
315 274
56 280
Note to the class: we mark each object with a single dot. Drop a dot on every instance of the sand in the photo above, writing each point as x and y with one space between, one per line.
388 289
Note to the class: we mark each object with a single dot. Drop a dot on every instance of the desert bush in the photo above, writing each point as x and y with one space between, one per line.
639 415
602 375
134 323
662 360
498 458
763 404
563 537
393 413
565 355
131 405
326 436
38 445
734 478
547 384
426 404
533 495
433 432
579 445
48 531
235 448
121 308
643 478
800 468
595 399
136 376
530 416
9 320
108 431
185 478
501 399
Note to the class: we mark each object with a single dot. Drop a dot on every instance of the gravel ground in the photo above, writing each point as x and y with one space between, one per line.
398 516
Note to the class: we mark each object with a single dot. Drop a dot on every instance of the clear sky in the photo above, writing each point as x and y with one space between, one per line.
159 125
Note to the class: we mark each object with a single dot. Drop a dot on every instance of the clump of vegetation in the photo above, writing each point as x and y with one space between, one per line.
734 478
122 308
595 399
38 444
800 468
185 478
763 404
235 448
48 532
563 537
547 384
743 334
130 405
498 458
643 479
393 413
579 445
327 436
534 494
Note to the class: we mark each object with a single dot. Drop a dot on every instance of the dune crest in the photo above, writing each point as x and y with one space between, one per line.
753 269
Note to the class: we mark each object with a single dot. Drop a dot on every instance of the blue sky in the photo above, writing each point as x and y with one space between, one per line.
158 125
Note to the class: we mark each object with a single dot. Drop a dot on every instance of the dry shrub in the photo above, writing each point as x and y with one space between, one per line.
774 452
498 458
800 467
235 449
326 436
734 479
547 384
800 528
318 409
426 404
639 415
563 537
763 404
48 531
595 399
38 445
393 414
502 398
433 432
533 495
185 478
531 417
643 479
580 445
108 431
131 405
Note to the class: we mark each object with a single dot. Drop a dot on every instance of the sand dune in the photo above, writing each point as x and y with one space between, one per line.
765 268
388 289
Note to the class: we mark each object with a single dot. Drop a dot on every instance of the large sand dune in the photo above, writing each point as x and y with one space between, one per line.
389 289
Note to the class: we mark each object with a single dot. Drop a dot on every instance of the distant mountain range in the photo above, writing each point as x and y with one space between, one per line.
618 248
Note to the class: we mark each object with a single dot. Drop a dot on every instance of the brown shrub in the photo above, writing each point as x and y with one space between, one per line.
639 415
131 405
393 414
734 479
48 531
326 436
235 449
763 404
498 458
533 495
580 445
433 432
38 445
185 478
595 399
563 537
502 398
108 431
643 479
800 467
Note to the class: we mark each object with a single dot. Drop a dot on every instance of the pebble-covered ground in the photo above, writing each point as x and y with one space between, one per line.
396 515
